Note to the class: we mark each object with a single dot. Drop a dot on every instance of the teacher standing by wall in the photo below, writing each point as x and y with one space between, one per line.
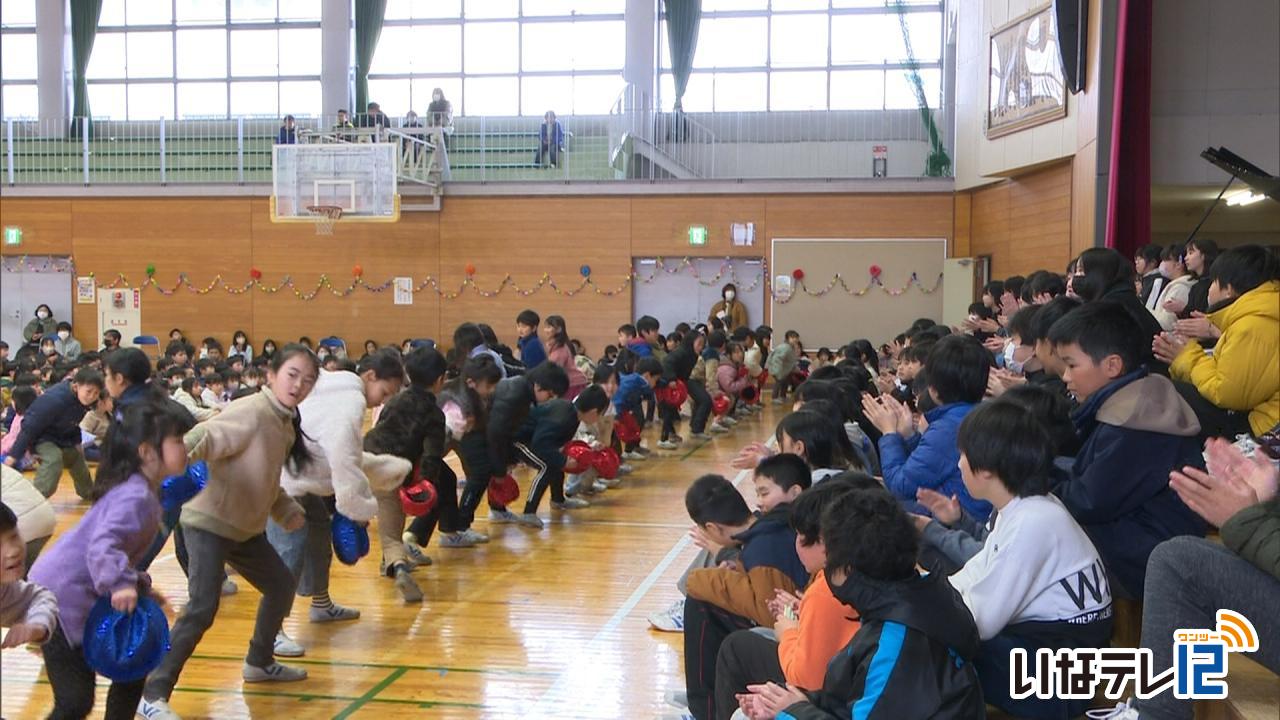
729 309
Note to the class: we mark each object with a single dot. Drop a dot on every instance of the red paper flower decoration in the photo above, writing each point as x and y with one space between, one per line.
798 274
255 273
357 271
470 269
875 271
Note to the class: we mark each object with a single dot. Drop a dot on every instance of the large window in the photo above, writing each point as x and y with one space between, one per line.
18 96
205 59
500 57
808 55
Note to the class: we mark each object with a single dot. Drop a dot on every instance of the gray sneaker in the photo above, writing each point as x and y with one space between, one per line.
632 456
699 436
229 587
503 517
456 540
570 504
407 586
275 672
477 538
667 445
156 710
529 520
333 613
415 555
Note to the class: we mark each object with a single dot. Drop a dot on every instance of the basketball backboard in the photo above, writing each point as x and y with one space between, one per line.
360 178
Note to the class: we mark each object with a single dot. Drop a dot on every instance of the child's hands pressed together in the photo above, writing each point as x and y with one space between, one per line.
1197 326
1226 459
945 510
750 456
125 599
771 699
23 633
1167 346
995 344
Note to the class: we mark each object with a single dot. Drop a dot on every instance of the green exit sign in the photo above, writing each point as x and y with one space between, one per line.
697 235
12 235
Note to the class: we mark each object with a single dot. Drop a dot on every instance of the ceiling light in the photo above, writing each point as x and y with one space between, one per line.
1243 198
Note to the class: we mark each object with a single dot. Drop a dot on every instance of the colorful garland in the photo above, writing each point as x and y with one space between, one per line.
727 270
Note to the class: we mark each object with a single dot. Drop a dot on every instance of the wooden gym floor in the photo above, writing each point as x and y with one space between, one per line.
547 624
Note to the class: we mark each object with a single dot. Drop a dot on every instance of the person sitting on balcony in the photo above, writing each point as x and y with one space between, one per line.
343 123
373 117
550 141
288 133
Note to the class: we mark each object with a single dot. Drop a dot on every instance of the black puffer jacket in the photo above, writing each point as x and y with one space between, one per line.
679 363
511 402
411 426
912 657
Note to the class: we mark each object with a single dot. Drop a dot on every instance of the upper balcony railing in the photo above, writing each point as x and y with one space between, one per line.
634 142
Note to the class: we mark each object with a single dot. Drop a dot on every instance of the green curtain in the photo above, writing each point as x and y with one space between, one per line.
683 17
84 27
369 14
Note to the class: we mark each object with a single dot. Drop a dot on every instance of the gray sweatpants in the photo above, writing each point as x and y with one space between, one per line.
257 562
1188 580
307 551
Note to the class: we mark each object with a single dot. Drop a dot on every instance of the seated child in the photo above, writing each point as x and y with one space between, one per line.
22 397
93 427
957 371
723 599
1134 429
532 352
189 388
29 611
817 435
912 655
809 630
1037 582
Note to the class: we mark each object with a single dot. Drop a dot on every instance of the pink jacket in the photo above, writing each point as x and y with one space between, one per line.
728 380
562 356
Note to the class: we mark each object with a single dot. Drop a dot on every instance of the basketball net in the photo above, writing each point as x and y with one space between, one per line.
325 217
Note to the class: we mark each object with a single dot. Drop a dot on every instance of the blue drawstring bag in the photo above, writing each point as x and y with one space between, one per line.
124 647
175 491
350 539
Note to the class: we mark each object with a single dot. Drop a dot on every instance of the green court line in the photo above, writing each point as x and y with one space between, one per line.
387 666
371 694
308 697
701 445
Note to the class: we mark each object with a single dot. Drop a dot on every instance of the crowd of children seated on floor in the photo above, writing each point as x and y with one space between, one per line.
927 508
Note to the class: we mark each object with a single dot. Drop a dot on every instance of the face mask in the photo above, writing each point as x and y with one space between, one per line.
42 314
251 383
437 97
64 334
729 295
175 385
50 350
1009 350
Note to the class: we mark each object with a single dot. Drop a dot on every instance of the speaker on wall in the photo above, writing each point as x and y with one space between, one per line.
1073 41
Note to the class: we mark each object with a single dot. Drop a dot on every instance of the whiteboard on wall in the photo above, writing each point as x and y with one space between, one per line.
838 317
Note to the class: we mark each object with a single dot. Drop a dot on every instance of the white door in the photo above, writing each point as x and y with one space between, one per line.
27 282
678 295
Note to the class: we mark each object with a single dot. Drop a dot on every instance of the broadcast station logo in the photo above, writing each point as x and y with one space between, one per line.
1199 668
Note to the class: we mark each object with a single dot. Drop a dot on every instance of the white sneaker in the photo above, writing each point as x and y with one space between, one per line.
529 520
570 503
229 587
625 469
717 428
667 445
632 456
285 646
456 540
477 538
729 420
503 517
275 672
699 436
1122 711
669 620
156 710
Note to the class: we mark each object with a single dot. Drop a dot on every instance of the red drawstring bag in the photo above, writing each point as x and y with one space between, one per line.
606 462
720 405
503 491
418 497
626 428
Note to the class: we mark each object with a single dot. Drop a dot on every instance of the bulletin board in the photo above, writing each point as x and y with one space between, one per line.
837 317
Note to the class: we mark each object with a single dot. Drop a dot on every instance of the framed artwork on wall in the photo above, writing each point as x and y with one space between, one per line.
1025 85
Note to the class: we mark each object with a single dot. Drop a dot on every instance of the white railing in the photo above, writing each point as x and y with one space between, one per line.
634 142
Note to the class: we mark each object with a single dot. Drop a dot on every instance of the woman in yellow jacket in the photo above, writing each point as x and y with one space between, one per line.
1241 379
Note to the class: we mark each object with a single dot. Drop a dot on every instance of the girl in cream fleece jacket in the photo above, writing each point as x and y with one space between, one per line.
245 446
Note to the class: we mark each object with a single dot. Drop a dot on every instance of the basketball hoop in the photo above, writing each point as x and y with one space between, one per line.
325 217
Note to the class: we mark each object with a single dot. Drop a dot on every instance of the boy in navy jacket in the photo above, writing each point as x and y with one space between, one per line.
51 428
912 655
1134 429
532 353
722 519
634 390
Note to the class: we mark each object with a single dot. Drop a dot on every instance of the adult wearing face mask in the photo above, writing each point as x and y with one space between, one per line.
66 344
111 340
41 326
440 113
729 310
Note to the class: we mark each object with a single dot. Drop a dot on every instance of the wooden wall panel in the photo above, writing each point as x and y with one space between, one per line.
1024 223
202 238
409 247
962 227
527 237
660 225
46 225
860 216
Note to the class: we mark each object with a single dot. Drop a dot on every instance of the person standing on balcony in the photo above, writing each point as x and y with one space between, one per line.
288 133
343 123
550 141
440 114
729 310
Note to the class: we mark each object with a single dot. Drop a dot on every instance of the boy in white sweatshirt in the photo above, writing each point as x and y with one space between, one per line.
1037 582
